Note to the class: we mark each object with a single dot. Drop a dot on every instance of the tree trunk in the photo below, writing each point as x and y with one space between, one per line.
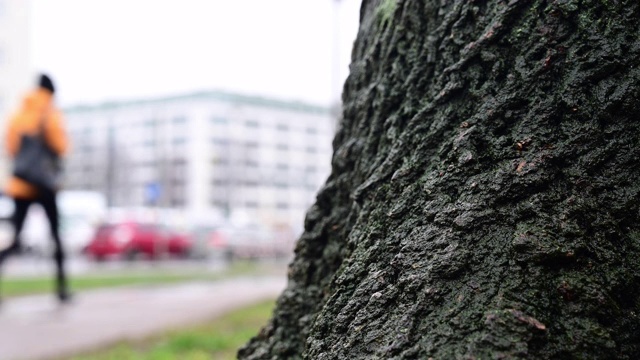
485 190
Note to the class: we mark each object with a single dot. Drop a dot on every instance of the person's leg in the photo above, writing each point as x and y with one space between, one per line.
19 215
48 201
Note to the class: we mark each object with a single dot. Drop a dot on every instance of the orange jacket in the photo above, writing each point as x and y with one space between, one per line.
37 105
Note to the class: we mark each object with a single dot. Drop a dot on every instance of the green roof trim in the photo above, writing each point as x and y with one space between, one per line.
207 95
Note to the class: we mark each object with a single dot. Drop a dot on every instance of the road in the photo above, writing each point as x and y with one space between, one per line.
77 265
36 327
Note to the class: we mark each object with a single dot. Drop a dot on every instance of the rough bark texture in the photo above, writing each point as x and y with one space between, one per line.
484 198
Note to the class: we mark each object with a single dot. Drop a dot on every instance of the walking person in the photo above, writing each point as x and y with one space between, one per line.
37 118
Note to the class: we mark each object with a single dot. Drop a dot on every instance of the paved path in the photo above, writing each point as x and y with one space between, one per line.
36 327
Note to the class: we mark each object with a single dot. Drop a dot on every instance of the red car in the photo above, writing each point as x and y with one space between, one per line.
130 240
244 243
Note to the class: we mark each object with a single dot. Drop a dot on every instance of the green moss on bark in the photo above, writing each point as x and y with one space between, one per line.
484 198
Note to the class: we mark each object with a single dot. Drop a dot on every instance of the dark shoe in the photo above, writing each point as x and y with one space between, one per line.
64 297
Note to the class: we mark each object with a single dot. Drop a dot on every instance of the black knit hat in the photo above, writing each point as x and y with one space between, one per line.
46 83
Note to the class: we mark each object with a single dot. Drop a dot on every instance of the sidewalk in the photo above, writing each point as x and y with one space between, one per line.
36 327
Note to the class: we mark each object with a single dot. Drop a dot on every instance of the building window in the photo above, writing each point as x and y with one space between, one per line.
312 130
220 161
177 202
282 146
219 182
251 124
85 148
179 120
251 163
218 120
282 127
149 143
282 205
221 203
251 144
251 204
311 149
179 141
282 166
220 141
150 163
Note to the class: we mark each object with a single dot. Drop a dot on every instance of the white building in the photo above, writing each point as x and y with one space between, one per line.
259 158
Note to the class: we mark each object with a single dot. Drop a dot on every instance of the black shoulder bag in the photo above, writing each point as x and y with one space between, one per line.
36 163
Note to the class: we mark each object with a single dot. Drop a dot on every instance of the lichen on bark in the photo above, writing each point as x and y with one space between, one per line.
484 196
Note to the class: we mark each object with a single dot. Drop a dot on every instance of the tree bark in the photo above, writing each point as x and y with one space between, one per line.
485 190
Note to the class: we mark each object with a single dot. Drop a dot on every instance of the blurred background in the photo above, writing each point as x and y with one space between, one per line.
200 129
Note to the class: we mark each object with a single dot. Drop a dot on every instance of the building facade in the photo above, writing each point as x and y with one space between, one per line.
243 156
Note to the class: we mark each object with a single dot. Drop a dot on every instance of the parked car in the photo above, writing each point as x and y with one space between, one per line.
249 242
130 240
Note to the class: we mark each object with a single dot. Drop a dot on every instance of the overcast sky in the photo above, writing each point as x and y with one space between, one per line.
102 50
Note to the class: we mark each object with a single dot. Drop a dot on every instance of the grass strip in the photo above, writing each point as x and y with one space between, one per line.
219 338
19 286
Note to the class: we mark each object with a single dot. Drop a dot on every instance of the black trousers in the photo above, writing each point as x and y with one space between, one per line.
47 199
